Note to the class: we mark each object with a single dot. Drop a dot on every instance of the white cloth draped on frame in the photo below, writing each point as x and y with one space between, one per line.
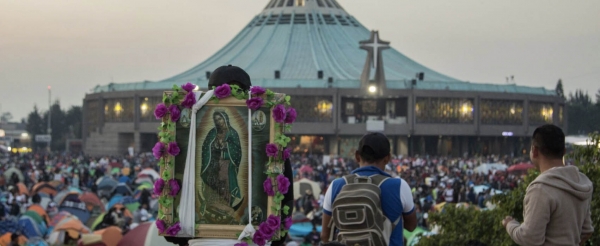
187 203
187 210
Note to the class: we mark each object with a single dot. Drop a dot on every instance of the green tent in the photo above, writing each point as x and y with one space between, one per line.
35 216
98 220
145 185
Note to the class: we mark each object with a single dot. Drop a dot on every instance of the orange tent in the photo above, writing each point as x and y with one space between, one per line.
110 235
5 239
55 183
44 187
22 189
40 211
126 213
91 200
73 227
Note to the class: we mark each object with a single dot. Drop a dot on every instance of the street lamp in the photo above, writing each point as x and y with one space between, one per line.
372 89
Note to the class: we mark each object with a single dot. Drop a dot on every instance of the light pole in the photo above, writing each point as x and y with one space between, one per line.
49 130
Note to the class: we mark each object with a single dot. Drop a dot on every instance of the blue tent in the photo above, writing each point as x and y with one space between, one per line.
107 183
124 179
30 228
302 229
78 209
116 199
122 189
8 226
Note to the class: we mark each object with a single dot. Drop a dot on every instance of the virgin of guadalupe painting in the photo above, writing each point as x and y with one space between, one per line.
224 200
218 165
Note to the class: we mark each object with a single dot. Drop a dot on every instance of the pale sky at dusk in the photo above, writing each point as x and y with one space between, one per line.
76 45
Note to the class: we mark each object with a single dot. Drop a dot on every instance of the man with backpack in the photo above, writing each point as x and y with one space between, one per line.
369 207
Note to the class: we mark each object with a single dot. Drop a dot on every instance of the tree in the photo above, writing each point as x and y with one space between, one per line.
6 117
559 89
462 226
35 126
64 125
580 98
583 117
74 117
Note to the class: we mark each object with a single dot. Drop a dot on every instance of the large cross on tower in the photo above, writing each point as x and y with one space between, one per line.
374 46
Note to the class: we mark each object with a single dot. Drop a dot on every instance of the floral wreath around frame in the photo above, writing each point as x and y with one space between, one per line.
276 185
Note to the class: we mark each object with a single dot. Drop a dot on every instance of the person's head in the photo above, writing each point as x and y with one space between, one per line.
230 75
220 120
36 198
374 150
547 144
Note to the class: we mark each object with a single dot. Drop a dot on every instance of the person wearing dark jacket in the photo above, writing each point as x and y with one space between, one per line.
233 75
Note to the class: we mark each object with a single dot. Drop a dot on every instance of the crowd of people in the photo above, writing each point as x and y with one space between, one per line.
433 180
54 198
24 178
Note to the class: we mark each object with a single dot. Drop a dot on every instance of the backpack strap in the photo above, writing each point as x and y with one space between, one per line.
376 179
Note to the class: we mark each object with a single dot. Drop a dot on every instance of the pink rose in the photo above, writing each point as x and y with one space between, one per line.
255 103
189 100
287 223
266 230
268 187
279 113
160 111
291 116
273 222
174 185
160 224
286 153
188 87
223 91
158 186
158 150
283 184
173 149
174 229
257 90
259 238
175 112
272 150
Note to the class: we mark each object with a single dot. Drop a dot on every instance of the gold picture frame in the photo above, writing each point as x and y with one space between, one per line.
221 201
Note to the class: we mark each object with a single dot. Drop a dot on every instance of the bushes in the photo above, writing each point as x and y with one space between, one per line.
466 226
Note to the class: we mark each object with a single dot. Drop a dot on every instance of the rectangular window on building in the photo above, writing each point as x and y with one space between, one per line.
501 112
92 115
119 110
313 108
540 113
561 115
359 110
444 110
147 106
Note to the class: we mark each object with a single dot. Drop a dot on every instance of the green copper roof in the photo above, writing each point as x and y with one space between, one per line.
299 41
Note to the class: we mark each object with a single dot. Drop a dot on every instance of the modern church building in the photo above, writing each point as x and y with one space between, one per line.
344 81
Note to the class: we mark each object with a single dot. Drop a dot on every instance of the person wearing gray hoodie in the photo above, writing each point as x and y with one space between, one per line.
556 208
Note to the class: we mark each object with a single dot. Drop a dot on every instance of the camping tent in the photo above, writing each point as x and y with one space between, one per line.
304 184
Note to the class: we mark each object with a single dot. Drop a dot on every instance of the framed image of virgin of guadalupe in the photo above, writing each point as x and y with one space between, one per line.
230 164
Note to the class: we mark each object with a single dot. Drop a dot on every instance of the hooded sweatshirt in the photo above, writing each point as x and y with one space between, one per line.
556 209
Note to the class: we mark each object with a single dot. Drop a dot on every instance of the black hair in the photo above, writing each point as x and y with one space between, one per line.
36 198
367 154
550 141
